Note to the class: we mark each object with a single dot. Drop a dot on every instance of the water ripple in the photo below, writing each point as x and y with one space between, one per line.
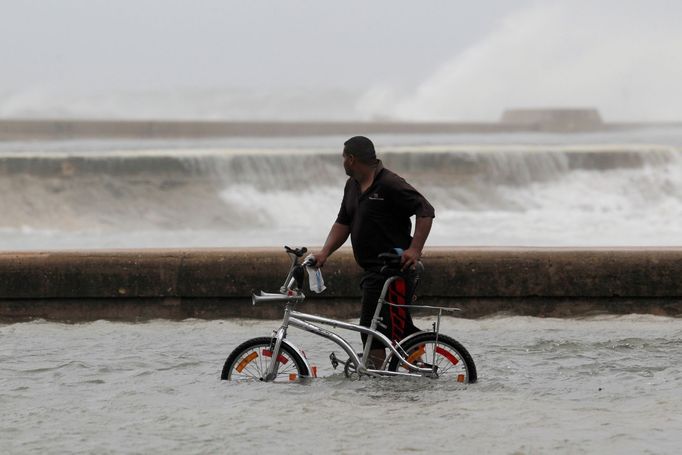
588 385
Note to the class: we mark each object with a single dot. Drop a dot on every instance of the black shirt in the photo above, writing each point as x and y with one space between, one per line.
379 218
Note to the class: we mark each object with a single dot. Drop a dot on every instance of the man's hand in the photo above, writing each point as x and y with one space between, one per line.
414 252
320 258
409 258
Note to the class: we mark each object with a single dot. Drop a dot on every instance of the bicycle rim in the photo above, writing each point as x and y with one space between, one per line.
251 361
451 359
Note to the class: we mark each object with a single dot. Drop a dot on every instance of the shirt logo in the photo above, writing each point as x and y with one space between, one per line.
375 197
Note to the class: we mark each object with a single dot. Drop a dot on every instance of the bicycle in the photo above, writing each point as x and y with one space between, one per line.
423 354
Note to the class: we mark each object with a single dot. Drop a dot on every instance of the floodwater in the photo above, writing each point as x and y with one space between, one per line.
604 384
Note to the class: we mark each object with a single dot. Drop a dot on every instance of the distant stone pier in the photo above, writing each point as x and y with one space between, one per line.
557 120
513 120
217 283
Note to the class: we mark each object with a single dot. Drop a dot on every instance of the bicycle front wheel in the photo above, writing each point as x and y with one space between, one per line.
250 362
453 362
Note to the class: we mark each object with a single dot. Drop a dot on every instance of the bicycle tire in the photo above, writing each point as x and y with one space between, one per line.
250 360
452 359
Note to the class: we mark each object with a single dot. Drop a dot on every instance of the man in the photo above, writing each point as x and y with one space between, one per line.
375 211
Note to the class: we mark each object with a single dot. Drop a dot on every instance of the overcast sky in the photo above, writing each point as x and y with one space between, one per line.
398 59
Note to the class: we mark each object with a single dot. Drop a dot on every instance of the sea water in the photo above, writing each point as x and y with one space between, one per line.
603 384
618 188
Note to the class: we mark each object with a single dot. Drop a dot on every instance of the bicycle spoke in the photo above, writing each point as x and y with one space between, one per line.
448 361
252 371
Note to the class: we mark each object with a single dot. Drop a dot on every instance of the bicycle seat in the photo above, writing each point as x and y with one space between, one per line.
390 258
298 252
392 264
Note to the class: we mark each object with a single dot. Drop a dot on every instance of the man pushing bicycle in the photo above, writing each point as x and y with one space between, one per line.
375 212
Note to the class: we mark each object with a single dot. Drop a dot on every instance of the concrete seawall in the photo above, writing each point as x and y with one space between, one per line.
216 283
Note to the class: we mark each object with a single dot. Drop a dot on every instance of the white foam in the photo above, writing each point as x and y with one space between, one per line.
615 194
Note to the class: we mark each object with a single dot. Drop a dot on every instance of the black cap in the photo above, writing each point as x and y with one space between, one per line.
361 148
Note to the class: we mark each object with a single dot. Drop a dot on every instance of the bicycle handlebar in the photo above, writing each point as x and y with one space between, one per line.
298 252
266 297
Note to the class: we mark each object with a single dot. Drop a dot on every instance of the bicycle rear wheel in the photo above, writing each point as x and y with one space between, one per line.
250 362
453 362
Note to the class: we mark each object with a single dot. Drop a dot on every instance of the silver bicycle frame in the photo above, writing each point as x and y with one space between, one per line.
298 320
303 322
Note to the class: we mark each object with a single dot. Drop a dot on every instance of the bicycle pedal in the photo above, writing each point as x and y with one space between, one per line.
334 360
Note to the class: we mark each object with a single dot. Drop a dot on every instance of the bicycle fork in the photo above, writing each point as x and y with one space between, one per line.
271 372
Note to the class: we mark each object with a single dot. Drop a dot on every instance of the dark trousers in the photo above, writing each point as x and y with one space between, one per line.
396 322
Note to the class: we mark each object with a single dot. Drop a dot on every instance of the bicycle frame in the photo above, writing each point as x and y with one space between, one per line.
292 295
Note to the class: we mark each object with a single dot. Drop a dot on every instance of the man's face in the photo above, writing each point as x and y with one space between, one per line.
347 163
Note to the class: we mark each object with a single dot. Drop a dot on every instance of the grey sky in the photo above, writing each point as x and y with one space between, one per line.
151 43
397 59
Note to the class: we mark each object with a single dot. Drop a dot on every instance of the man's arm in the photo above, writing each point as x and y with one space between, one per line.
422 227
337 236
